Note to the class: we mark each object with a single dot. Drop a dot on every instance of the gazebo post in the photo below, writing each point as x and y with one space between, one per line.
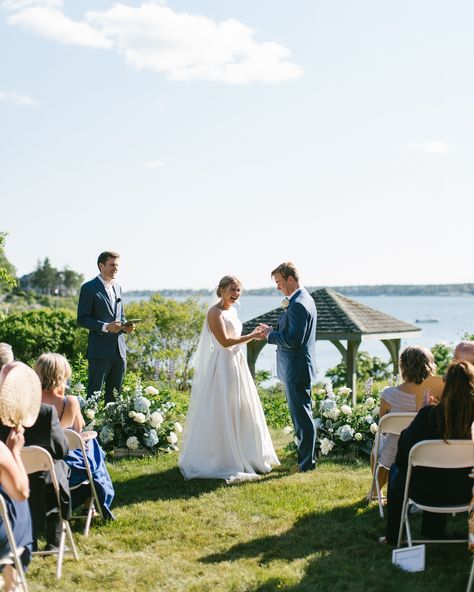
393 346
351 368
253 350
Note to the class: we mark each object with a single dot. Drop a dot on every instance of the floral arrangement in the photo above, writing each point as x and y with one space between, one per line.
141 418
342 426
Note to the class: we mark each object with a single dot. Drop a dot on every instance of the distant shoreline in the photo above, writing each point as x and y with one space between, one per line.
381 290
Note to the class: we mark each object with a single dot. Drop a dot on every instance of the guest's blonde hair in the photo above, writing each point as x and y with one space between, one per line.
225 282
53 370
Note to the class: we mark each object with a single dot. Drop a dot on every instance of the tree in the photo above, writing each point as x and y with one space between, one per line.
166 338
7 270
366 367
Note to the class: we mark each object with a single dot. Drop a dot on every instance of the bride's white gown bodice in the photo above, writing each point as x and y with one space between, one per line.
225 435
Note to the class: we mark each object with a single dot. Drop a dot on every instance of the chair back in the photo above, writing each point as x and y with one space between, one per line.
395 423
442 454
37 459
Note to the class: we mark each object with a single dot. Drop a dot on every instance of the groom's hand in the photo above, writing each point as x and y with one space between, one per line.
265 329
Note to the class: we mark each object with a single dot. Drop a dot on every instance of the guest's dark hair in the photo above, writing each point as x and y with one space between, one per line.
286 270
107 255
457 401
416 363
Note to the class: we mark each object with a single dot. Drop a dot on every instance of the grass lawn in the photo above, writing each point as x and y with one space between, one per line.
301 532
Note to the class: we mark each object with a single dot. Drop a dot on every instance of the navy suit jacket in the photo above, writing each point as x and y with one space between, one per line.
93 311
296 340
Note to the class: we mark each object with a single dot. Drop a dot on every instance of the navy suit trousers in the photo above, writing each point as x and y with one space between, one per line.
298 396
108 371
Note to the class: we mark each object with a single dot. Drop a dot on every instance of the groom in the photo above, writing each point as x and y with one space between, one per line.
295 339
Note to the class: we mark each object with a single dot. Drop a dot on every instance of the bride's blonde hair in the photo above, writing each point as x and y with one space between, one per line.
225 282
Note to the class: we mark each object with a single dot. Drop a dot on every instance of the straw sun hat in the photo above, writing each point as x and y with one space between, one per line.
20 395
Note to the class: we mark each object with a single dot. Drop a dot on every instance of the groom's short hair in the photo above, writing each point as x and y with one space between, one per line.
286 270
102 258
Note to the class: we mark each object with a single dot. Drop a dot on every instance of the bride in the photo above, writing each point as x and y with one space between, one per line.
225 436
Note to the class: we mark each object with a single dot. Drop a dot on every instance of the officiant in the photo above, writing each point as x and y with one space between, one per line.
100 309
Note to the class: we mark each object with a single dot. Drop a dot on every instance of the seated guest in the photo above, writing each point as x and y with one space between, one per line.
54 372
416 367
14 489
47 433
464 351
450 419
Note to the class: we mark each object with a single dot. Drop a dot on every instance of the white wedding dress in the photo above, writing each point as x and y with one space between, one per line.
225 435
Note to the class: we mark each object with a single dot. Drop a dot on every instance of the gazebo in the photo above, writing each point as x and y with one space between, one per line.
341 319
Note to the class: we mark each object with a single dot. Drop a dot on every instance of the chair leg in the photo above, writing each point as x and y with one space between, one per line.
407 526
62 543
75 554
379 491
402 522
90 513
471 577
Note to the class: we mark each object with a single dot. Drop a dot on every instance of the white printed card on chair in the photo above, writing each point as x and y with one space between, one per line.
410 558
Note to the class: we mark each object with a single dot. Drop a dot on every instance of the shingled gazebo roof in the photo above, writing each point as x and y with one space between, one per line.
340 317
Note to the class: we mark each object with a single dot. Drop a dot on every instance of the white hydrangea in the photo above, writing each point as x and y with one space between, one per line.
132 414
369 419
370 402
344 391
178 427
329 409
132 443
346 410
326 446
345 432
90 413
373 428
318 423
151 390
142 404
78 387
172 438
358 436
139 418
156 419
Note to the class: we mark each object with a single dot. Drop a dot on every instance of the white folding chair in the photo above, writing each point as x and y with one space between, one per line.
77 443
14 556
390 423
37 459
436 454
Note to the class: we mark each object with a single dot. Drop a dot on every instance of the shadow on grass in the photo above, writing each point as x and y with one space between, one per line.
344 555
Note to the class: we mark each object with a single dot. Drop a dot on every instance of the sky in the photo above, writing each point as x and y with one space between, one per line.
211 137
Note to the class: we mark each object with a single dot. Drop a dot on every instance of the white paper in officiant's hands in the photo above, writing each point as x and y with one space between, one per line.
410 558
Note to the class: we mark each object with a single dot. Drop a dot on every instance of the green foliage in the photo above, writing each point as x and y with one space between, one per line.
275 407
46 279
7 271
34 332
366 367
163 343
443 354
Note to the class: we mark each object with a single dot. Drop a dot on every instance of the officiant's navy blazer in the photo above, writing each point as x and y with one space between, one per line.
93 311
296 340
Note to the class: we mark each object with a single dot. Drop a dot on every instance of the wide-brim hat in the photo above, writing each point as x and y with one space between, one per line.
20 395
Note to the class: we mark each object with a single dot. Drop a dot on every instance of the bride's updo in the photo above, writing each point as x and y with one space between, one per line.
225 282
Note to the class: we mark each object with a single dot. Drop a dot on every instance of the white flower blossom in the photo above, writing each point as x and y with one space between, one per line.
151 439
370 402
368 386
78 387
358 436
376 411
151 390
329 409
346 410
369 419
106 435
178 427
132 443
287 430
132 414
373 428
172 438
139 418
90 413
344 391
326 446
156 419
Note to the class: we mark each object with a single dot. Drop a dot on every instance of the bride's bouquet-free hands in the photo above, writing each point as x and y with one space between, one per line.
263 329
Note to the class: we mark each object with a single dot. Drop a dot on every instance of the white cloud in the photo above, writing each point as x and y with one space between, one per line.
51 23
153 37
15 5
13 97
429 147
153 164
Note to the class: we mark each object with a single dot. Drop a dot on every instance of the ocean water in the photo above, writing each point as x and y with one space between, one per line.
454 314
